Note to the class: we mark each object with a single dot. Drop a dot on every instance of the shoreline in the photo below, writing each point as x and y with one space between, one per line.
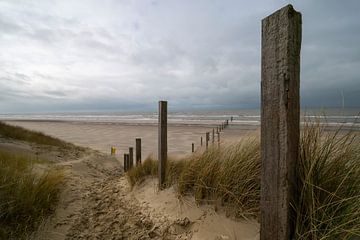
332 126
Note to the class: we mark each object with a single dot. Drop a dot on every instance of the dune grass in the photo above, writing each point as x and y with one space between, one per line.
26 197
149 167
328 187
327 193
19 133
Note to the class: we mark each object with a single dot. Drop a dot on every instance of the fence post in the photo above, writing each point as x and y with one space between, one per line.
280 111
162 142
213 136
218 139
201 141
192 147
138 150
207 140
125 163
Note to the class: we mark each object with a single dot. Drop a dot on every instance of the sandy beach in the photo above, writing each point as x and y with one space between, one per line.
102 136
97 201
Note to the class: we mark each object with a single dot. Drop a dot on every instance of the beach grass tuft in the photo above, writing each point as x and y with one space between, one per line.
327 193
328 187
26 196
150 166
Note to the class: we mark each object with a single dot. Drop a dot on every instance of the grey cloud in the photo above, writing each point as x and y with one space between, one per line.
9 27
192 53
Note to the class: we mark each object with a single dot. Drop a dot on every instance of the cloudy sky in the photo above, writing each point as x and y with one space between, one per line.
66 55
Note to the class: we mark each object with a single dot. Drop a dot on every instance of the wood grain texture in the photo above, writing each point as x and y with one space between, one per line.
280 111
162 142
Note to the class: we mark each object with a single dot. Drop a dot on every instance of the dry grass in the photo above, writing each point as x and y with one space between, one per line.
19 133
150 168
229 175
328 187
327 197
26 198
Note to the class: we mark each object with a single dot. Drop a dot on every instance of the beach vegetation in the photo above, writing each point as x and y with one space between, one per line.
22 134
326 200
27 195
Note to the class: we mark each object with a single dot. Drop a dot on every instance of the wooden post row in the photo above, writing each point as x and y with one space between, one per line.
162 142
280 121
138 150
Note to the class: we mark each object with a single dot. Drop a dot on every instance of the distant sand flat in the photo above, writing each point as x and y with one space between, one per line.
101 136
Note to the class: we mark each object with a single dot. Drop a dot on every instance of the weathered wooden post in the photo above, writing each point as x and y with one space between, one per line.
201 141
213 136
131 157
207 140
138 150
162 142
218 139
192 147
280 110
125 163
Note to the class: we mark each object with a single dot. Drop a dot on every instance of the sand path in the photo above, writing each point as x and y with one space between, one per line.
96 204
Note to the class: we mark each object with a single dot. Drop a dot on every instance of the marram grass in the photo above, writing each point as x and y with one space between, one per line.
26 198
327 192
328 187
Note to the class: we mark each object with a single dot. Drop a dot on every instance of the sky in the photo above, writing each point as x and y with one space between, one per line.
121 55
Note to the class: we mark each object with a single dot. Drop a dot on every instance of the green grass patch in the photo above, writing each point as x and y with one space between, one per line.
26 198
327 192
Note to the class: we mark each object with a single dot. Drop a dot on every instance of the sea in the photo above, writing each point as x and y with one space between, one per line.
349 117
